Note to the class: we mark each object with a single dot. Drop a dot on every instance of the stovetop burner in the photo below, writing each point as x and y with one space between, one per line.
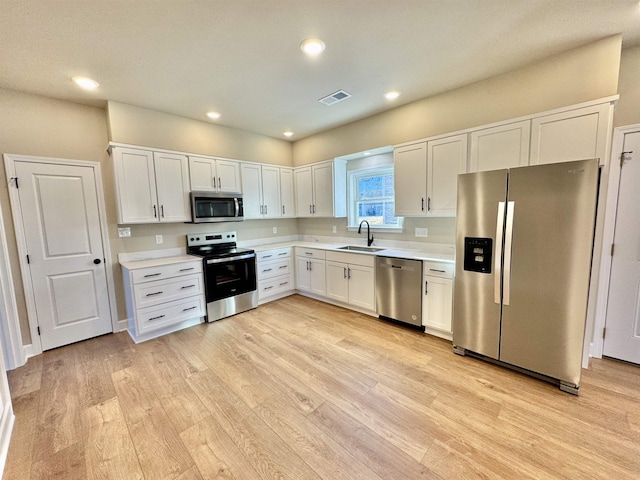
214 245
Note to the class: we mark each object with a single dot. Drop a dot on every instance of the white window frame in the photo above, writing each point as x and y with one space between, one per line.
352 187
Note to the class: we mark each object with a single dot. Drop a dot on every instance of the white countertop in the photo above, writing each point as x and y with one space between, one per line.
155 262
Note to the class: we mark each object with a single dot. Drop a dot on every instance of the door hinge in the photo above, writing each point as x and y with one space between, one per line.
612 248
623 156
604 332
28 258
38 330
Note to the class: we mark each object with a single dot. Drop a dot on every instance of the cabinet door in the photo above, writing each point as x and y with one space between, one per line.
318 285
574 135
410 180
287 196
271 192
337 281
172 182
304 193
437 303
202 174
303 274
504 146
323 190
362 287
228 176
252 190
446 158
135 186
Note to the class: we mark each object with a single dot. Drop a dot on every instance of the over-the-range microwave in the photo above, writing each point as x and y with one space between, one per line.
208 207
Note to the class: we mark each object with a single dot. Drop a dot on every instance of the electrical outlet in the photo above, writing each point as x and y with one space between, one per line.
275 229
422 232
124 232
159 239
334 229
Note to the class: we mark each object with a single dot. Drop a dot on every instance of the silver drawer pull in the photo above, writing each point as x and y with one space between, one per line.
187 286
154 293
156 318
267 256
308 253
187 309
187 269
283 253
268 288
283 266
284 283
267 269
152 275
436 270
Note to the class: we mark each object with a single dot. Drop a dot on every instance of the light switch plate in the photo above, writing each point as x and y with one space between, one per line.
334 229
159 239
124 232
275 229
422 232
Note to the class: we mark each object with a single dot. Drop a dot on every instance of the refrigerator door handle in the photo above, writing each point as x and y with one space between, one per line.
497 258
508 243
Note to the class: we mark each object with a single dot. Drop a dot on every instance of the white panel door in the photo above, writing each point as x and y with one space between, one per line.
437 305
228 176
304 191
622 339
323 189
202 174
287 193
337 281
504 146
136 186
446 158
318 278
362 287
62 229
410 180
271 191
252 190
172 183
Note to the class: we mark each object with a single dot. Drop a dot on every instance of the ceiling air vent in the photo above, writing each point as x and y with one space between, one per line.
335 97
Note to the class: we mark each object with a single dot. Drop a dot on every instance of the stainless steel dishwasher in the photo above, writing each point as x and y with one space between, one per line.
399 289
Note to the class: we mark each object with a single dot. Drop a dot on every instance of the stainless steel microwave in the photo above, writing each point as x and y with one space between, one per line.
208 207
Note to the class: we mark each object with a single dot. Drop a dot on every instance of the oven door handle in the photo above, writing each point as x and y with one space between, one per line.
230 259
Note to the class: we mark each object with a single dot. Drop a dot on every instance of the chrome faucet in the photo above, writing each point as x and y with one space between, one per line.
369 236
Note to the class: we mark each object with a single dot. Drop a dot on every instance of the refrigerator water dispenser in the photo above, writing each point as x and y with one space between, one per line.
478 254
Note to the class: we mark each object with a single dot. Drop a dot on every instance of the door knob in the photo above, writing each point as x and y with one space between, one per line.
97 261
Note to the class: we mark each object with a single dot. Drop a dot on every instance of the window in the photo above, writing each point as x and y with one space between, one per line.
371 198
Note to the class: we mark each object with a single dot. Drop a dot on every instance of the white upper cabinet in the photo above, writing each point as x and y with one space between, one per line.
410 180
446 158
151 187
287 193
321 189
574 135
261 191
504 146
208 174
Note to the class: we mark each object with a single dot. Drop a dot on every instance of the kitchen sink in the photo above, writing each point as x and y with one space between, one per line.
358 248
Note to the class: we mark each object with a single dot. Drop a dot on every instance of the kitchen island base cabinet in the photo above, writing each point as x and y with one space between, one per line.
163 296
437 300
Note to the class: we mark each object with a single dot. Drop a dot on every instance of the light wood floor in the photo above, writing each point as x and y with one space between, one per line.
300 389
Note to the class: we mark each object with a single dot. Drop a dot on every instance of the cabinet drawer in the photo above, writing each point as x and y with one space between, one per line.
162 291
439 269
167 314
274 286
274 254
363 259
160 272
310 253
273 269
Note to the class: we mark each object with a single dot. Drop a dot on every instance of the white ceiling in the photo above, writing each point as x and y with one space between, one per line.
242 57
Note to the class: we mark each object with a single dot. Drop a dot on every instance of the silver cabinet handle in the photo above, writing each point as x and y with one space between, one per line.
268 288
187 309
162 210
283 253
436 270
187 286
310 209
422 204
314 209
283 209
426 286
187 269
219 184
344 274
428 204
156 318
152 294
152 275
267 269
155 212
267 256
214 182
284 283
283 266
266 209
348 273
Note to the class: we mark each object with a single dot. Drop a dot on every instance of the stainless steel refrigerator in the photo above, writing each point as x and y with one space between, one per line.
524 241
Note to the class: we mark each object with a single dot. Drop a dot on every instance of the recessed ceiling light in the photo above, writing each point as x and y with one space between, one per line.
288 133
392 95
86 83
214 115
312 46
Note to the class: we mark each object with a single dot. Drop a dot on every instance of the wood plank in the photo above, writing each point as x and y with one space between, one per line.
67 464
26 379
18 463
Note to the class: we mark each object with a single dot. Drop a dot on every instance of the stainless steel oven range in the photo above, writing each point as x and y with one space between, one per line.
229 273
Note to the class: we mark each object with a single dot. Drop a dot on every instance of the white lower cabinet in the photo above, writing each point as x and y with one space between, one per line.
437 299
163 296
310 270
275 274
351 279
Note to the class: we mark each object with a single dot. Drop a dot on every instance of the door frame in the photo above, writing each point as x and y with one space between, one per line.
16 210
597 346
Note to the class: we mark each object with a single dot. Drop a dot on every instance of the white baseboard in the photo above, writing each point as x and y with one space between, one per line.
122 325
6 427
